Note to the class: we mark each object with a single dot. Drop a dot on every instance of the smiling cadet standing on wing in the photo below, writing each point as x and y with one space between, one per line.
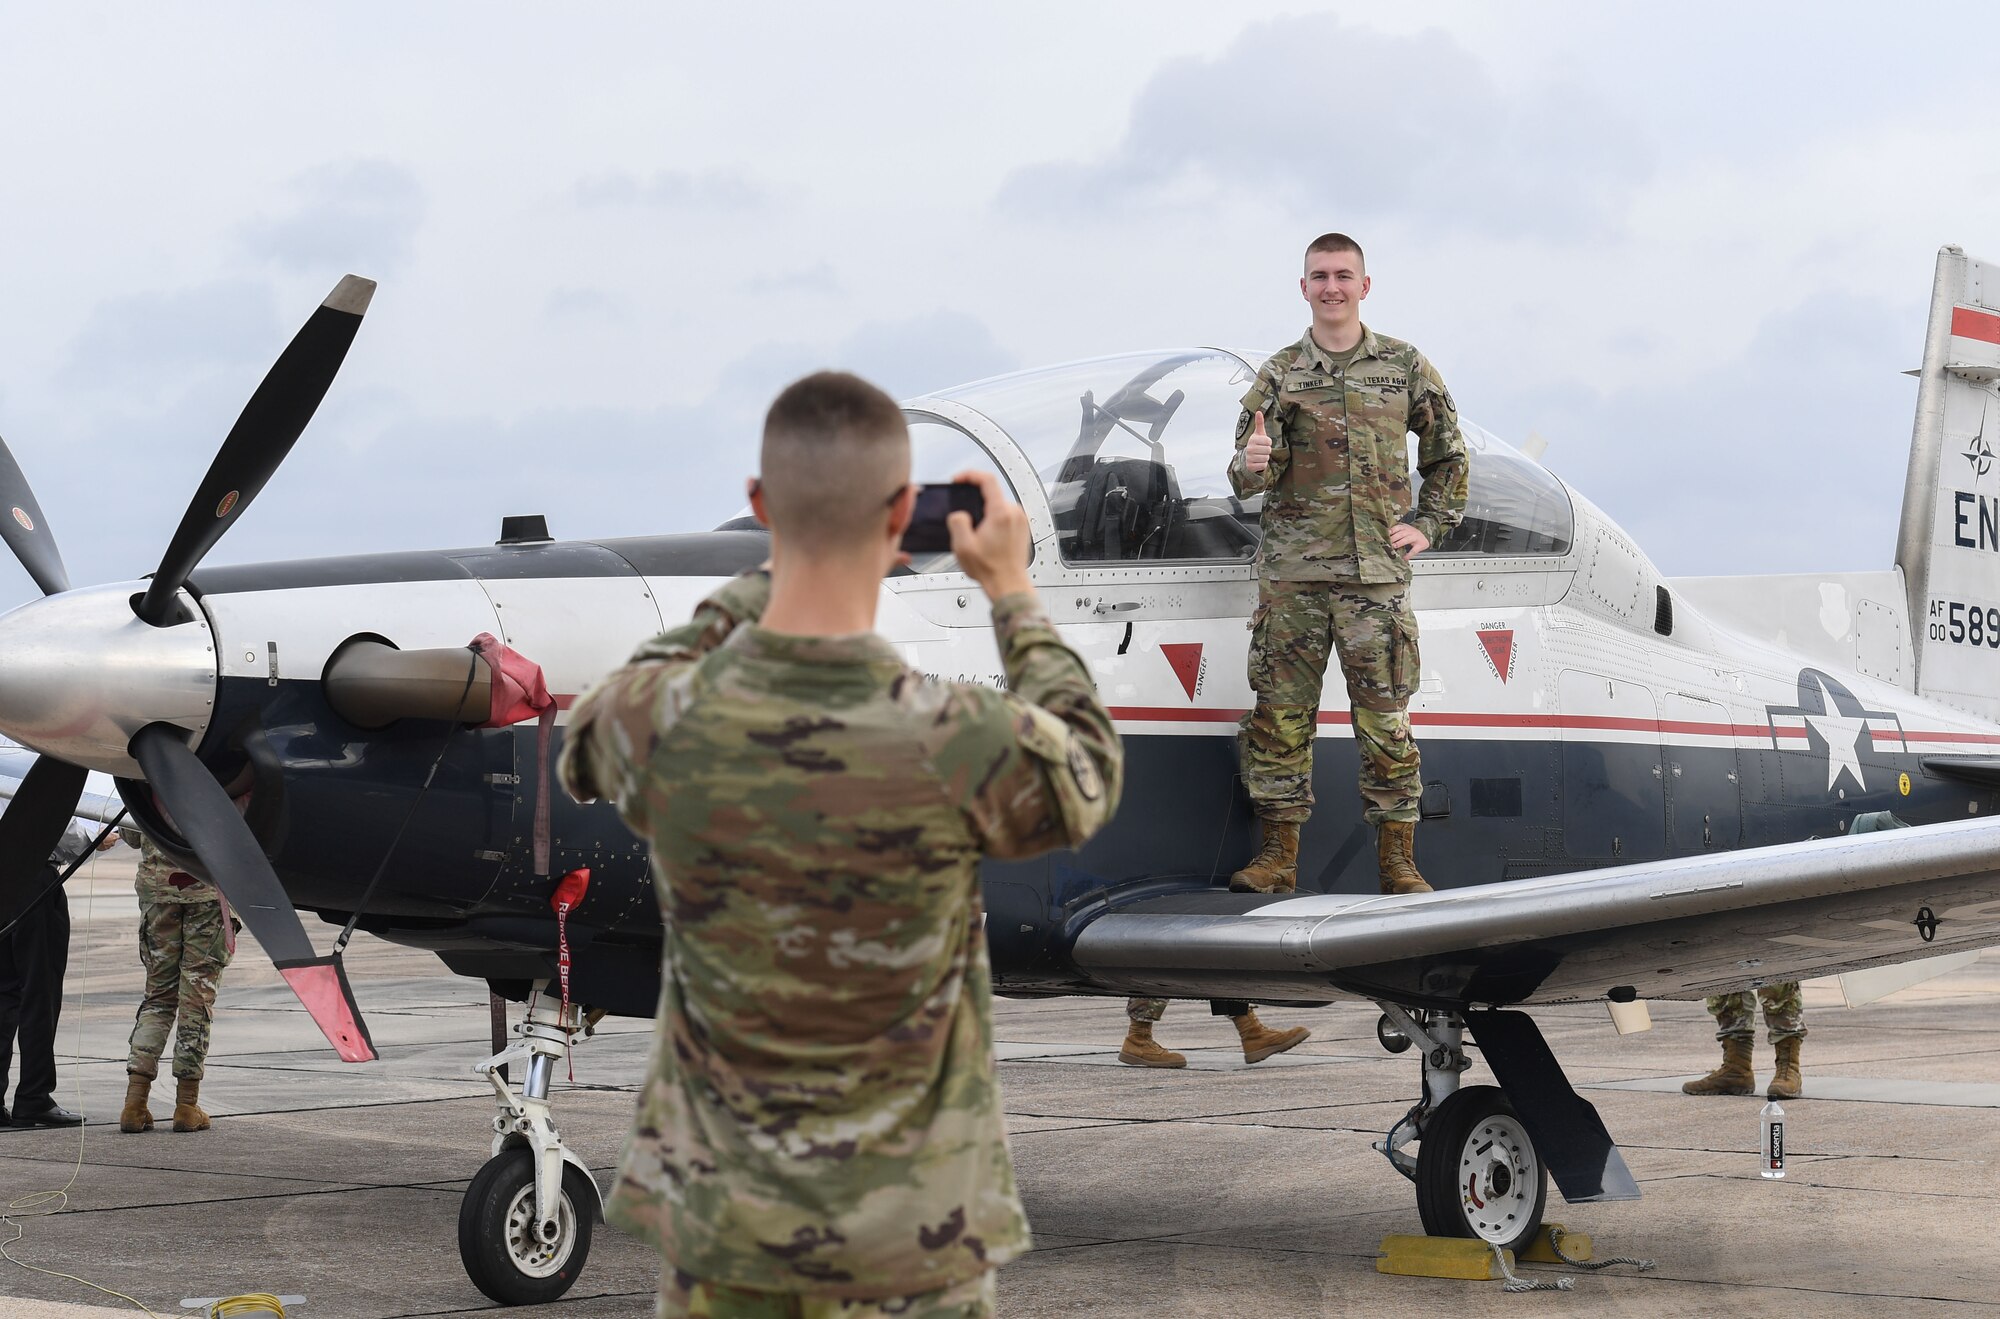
1324 437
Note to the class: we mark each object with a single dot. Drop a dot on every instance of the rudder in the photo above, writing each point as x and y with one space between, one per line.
1948 547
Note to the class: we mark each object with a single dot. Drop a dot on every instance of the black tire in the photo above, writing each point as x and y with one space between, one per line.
498 1209
1478 1174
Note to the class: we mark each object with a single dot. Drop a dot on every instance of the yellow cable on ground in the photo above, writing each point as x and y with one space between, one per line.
247 1307
30 1206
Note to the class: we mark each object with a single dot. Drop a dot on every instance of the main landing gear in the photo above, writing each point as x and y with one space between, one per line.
1476 1169
525 1223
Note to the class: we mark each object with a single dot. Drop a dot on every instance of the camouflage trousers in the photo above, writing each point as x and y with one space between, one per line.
1374 632
1150 1010
183 946
685 1297
1784 1013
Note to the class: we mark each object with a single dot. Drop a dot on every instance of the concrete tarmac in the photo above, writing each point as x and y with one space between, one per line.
1221 1190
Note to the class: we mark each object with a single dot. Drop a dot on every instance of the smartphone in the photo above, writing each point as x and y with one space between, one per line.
927 532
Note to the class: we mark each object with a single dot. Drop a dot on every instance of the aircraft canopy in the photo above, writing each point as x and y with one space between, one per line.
1131 453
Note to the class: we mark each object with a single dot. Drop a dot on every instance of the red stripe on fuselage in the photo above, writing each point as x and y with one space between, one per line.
1150 714
1971 323
1168 714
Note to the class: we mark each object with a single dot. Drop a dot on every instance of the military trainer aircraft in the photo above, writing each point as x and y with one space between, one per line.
1636 788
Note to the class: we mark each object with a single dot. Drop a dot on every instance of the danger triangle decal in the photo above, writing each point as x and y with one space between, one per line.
1498 643
1185 659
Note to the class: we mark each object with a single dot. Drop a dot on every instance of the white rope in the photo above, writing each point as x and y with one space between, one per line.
1515 1284
1556 1244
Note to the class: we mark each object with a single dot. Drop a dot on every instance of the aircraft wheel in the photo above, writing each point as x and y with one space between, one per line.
1478 1174
497 1241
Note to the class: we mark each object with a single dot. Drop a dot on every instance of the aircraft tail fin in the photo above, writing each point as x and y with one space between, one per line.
1948 547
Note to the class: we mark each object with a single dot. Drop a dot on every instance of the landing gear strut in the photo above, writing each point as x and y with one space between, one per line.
1476 1170
524 1226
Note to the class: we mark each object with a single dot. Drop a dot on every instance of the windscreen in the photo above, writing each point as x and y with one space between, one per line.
1134 451
1513 506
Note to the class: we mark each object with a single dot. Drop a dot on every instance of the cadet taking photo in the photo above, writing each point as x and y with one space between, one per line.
822 1123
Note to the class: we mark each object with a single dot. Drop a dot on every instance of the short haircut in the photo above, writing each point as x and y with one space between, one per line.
836 450
1336 243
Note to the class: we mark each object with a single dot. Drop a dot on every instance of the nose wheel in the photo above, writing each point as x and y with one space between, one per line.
1477 1172
524 1225
508 1252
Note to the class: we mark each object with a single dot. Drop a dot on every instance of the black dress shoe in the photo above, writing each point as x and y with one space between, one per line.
53 1116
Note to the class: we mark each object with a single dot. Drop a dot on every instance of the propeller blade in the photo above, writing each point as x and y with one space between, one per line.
270 424
30 830
208 819
26 530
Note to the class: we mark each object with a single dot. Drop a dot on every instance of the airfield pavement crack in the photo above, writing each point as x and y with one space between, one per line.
1799 1153
154 1167
1649 1278
238 1199
1897 1191
569 1299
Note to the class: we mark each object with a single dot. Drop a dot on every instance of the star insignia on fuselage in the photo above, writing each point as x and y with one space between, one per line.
1832 716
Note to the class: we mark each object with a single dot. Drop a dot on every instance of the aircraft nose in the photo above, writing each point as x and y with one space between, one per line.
80 674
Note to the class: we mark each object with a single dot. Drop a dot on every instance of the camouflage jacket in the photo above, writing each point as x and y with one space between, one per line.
160 880
1340 468
821 1113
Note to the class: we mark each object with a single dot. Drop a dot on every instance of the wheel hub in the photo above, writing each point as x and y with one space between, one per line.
539 1250
1496 1178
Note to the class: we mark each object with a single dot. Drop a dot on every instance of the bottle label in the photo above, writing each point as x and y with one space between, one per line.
1777 1150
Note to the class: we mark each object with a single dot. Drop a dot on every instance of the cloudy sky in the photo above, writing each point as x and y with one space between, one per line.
1692 250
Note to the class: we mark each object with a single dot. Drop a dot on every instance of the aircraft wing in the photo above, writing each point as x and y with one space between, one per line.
1663 930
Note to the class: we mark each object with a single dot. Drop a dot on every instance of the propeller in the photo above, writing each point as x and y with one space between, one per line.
269 425
30 830
271 422
209 821
26 531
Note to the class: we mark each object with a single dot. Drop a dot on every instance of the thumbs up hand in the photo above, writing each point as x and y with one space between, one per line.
1257 448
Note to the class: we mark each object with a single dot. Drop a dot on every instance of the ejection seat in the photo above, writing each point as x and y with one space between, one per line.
1130 508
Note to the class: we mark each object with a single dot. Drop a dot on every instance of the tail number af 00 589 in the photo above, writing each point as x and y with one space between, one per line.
1965 624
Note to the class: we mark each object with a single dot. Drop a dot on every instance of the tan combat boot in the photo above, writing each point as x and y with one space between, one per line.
1276 867
1140 1049
1395 846
1732 1078
135 1116
1787 1083
187 1113
1260 1041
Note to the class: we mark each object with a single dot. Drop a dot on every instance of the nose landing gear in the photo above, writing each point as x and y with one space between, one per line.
525 1223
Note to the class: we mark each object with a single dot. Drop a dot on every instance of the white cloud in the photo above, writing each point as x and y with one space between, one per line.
1325 117
355 216
677 189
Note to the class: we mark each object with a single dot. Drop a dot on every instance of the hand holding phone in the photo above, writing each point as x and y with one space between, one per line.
993 550
929 531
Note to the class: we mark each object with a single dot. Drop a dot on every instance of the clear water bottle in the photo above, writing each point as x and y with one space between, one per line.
1773 1145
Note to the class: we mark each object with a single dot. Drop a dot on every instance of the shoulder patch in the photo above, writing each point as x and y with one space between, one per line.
1084 770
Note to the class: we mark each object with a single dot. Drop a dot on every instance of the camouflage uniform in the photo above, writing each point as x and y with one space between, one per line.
1328 580
184 943
822 1119
684 1297
1150 1010
1784 1013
